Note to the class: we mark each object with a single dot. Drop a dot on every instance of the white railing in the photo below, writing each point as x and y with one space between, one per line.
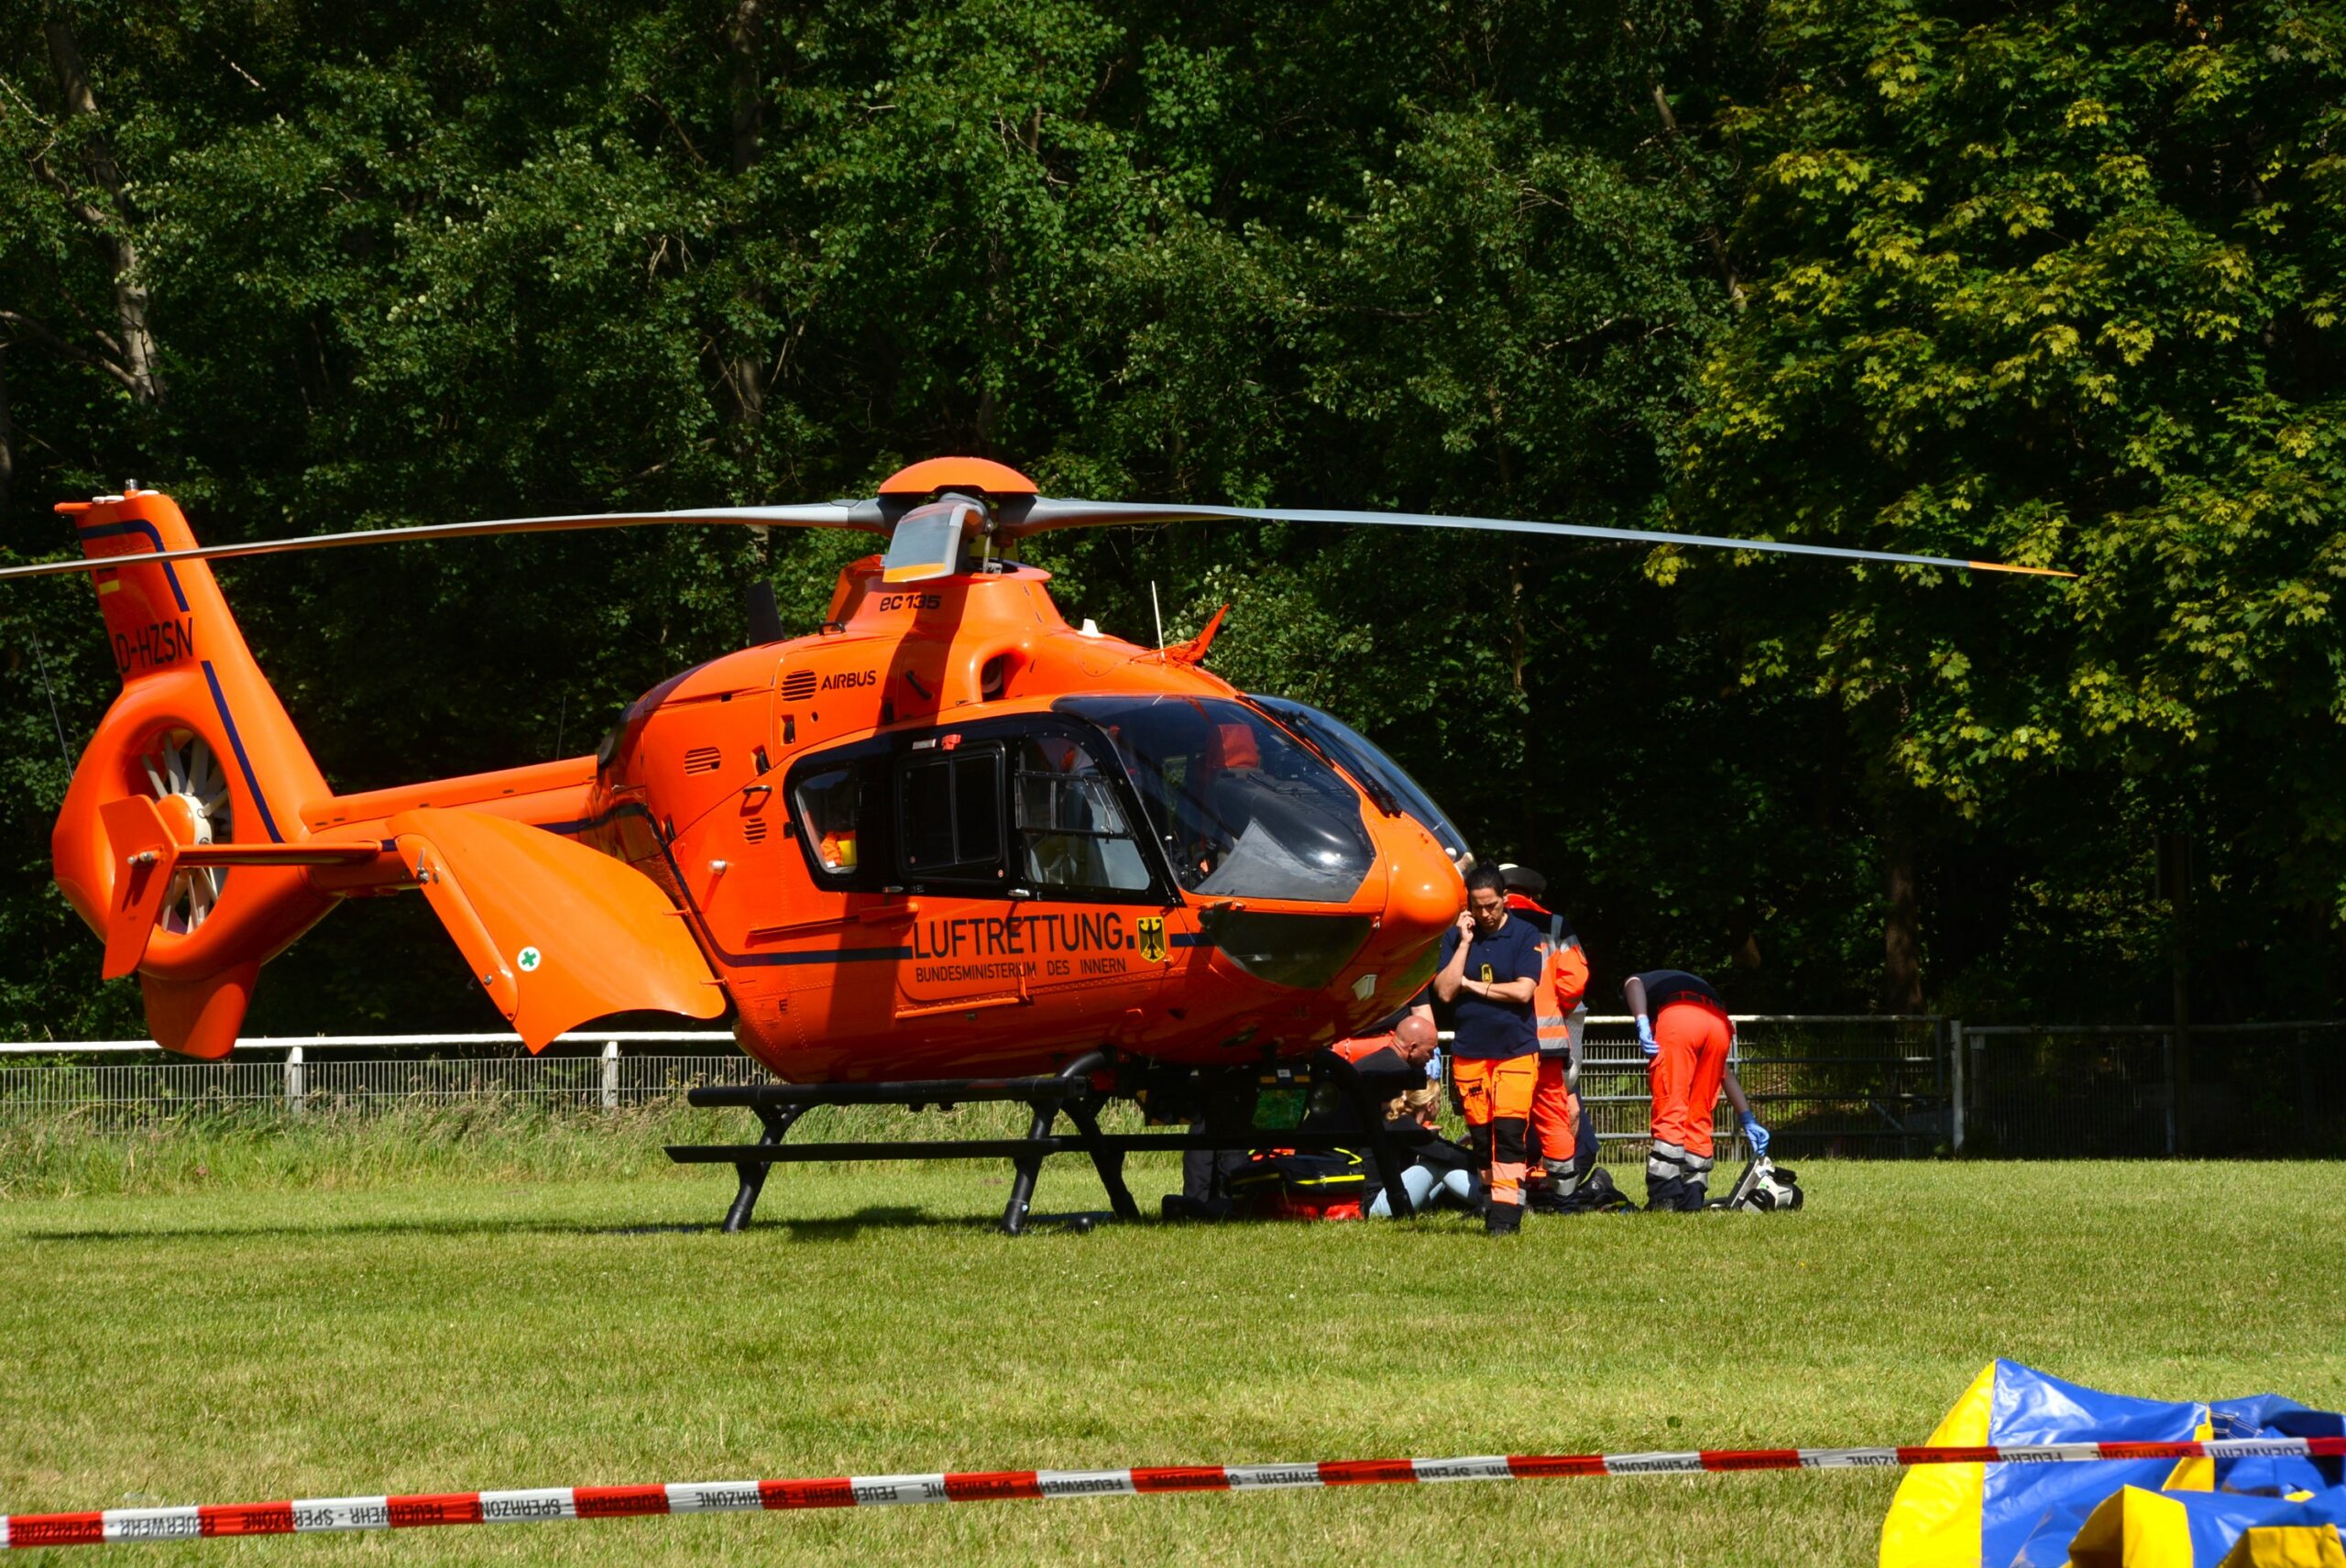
1856 1082
132 1079
398 1042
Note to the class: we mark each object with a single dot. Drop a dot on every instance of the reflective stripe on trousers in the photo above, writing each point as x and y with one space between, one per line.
1667 1160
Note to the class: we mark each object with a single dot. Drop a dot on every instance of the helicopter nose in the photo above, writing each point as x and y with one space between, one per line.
1424 891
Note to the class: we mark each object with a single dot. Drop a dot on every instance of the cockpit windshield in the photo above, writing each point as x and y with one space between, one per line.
1370 765
1242 810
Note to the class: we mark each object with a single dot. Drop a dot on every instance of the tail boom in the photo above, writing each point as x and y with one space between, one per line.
199 839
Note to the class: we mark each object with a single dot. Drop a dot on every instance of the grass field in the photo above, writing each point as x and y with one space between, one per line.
245 1334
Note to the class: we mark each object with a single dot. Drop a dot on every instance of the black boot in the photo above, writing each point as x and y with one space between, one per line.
1664 1194
1502 1219
1697 1181
1553 1193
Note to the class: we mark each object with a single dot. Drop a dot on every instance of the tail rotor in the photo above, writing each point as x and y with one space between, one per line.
190 787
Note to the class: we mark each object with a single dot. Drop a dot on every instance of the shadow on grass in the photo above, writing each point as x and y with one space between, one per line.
832 1228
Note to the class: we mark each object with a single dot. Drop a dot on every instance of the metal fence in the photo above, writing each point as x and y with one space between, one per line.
1823 1084
1879 1086
110 1082
2257 1089
1831 1085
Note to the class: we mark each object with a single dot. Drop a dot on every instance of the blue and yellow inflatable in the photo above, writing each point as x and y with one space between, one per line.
2193 1513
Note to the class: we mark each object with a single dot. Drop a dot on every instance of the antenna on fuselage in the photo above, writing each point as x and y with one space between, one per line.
764 614
1158 610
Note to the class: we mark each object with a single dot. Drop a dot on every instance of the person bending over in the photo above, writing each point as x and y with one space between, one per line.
1684 1028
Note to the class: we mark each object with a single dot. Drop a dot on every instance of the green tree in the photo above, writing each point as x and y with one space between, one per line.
2058 286
1786 271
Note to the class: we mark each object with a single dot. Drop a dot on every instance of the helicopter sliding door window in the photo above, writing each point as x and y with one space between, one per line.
1072 836
950 816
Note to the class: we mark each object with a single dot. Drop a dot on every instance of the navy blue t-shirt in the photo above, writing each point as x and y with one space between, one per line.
1664 986
1488 1030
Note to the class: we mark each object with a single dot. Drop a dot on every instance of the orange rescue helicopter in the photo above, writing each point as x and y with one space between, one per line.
948 848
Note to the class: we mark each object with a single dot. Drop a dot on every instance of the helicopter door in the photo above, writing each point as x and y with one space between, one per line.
1072 838
950 817
1077 857
948 807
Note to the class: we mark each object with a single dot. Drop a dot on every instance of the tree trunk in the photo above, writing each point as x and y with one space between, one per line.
1518 654
741 39
1518 638
111 228
2174 867
1743 940
1716 241
745 369
8 442
989 412
1902 933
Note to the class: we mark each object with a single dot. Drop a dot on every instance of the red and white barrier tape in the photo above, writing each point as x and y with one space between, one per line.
547 1504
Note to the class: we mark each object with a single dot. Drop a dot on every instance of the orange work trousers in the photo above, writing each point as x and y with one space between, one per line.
1496 1097
1686 1075
1556 1113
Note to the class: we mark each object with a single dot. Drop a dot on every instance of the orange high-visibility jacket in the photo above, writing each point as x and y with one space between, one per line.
1564 976
1563 980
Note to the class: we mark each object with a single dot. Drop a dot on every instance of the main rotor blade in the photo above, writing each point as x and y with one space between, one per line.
1018 518
1048 512
863 515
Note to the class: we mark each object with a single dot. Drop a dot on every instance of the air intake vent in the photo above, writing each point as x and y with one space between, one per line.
754 829
701 759
798 685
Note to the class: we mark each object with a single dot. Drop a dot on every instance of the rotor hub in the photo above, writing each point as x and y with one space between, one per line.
189 821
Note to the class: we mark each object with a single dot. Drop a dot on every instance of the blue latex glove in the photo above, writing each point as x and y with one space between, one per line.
1645 1036
1756 1134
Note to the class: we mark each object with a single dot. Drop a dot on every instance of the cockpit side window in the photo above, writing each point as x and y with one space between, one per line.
1241 808
1368 763
1071 831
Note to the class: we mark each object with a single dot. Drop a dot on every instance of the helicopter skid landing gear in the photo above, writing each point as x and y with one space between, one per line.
778 1105
776 1121
1070 1093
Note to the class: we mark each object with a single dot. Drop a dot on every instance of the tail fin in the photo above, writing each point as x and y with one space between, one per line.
198 732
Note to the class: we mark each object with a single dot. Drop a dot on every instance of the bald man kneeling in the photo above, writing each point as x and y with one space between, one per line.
1394 1065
